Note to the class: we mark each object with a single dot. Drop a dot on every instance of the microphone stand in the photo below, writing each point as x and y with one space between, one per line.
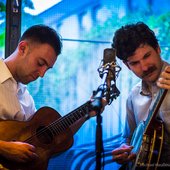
99 142
97 106
107 89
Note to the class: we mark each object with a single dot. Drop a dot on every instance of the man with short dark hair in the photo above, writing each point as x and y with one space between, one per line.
36 52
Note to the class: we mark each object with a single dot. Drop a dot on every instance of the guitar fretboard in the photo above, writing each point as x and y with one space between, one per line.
64 122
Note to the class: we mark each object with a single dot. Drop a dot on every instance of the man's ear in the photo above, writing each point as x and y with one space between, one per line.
125 62
22 47
158 49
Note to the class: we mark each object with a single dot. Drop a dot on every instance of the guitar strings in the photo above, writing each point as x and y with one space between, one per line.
62 123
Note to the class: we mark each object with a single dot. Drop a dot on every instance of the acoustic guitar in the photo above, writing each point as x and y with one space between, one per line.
48 136
147 139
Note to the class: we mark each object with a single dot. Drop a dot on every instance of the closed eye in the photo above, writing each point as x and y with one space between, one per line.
133 63
42 62
147 55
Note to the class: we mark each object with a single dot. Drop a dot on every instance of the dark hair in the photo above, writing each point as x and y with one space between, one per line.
43 34
129 37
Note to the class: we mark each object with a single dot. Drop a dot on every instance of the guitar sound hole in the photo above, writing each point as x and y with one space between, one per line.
44 135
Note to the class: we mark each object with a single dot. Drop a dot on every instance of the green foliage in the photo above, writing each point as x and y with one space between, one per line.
105 31
2 29
160 24
2 40
2 7
25 3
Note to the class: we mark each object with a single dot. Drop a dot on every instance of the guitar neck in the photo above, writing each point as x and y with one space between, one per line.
66 121
155 108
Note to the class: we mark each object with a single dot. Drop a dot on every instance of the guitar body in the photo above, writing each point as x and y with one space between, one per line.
47 144
147 146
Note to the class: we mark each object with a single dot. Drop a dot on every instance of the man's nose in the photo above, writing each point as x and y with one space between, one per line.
42 71
143 66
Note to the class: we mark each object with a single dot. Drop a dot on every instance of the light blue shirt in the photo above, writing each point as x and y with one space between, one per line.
139 102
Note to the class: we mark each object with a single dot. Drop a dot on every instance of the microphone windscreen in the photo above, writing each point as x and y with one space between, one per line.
109 55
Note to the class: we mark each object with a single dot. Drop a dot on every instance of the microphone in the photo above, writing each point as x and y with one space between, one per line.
109 60
109 55
108 72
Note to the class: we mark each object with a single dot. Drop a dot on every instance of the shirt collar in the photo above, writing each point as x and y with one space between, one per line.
5 74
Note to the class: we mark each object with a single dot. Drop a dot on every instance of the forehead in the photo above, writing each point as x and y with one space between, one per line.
140 52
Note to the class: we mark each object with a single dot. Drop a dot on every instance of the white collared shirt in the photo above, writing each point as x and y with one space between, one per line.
15 101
